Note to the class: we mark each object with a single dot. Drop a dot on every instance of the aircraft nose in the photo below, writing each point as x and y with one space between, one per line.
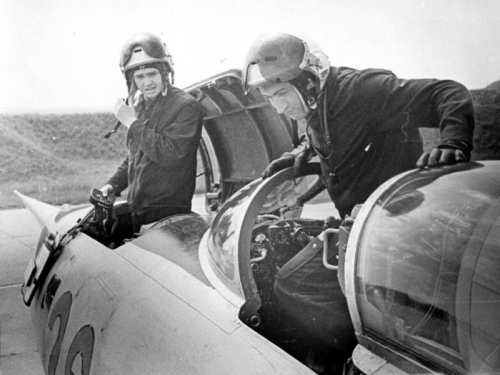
40 210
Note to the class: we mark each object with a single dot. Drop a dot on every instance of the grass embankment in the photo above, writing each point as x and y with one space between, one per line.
57 159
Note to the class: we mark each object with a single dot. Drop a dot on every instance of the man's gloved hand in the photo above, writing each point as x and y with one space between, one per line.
450 152
285 161
300 162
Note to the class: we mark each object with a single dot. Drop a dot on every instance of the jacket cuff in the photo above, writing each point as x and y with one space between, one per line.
132 129
463 146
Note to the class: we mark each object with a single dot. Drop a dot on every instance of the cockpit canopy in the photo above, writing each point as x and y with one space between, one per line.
228 253
424 260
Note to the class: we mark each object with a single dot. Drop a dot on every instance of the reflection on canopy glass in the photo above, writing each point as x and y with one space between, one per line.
418 257
290 193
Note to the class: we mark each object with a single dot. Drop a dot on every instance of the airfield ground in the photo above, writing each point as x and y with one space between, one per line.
18 237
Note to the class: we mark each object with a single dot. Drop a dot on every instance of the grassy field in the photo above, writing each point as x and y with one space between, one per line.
57 159
57 188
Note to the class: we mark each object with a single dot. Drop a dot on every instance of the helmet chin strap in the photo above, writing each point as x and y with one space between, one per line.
132 89
164 80
313 87
311 102
307 89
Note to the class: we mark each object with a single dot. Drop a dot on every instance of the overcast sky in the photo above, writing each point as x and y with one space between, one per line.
62 55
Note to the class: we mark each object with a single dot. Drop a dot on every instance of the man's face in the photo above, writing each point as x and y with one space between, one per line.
286 99
149 82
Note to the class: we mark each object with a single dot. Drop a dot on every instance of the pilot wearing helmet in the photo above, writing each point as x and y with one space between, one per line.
164 128
363 125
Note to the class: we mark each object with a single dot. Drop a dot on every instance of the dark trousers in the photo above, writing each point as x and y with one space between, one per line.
312 296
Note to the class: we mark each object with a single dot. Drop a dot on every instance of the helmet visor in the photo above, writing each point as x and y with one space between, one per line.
278 58
147 44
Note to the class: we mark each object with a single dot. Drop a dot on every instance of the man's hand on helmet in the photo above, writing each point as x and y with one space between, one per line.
285 161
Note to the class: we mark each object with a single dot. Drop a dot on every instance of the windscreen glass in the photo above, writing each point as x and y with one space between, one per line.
417 261
286 197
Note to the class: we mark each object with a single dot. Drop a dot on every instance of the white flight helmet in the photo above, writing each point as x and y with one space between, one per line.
280 57
145 49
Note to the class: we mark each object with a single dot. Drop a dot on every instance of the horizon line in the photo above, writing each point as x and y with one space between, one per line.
52 110
75 110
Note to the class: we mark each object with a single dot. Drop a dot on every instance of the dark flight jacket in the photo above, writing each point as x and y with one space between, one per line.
160 169
372 119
